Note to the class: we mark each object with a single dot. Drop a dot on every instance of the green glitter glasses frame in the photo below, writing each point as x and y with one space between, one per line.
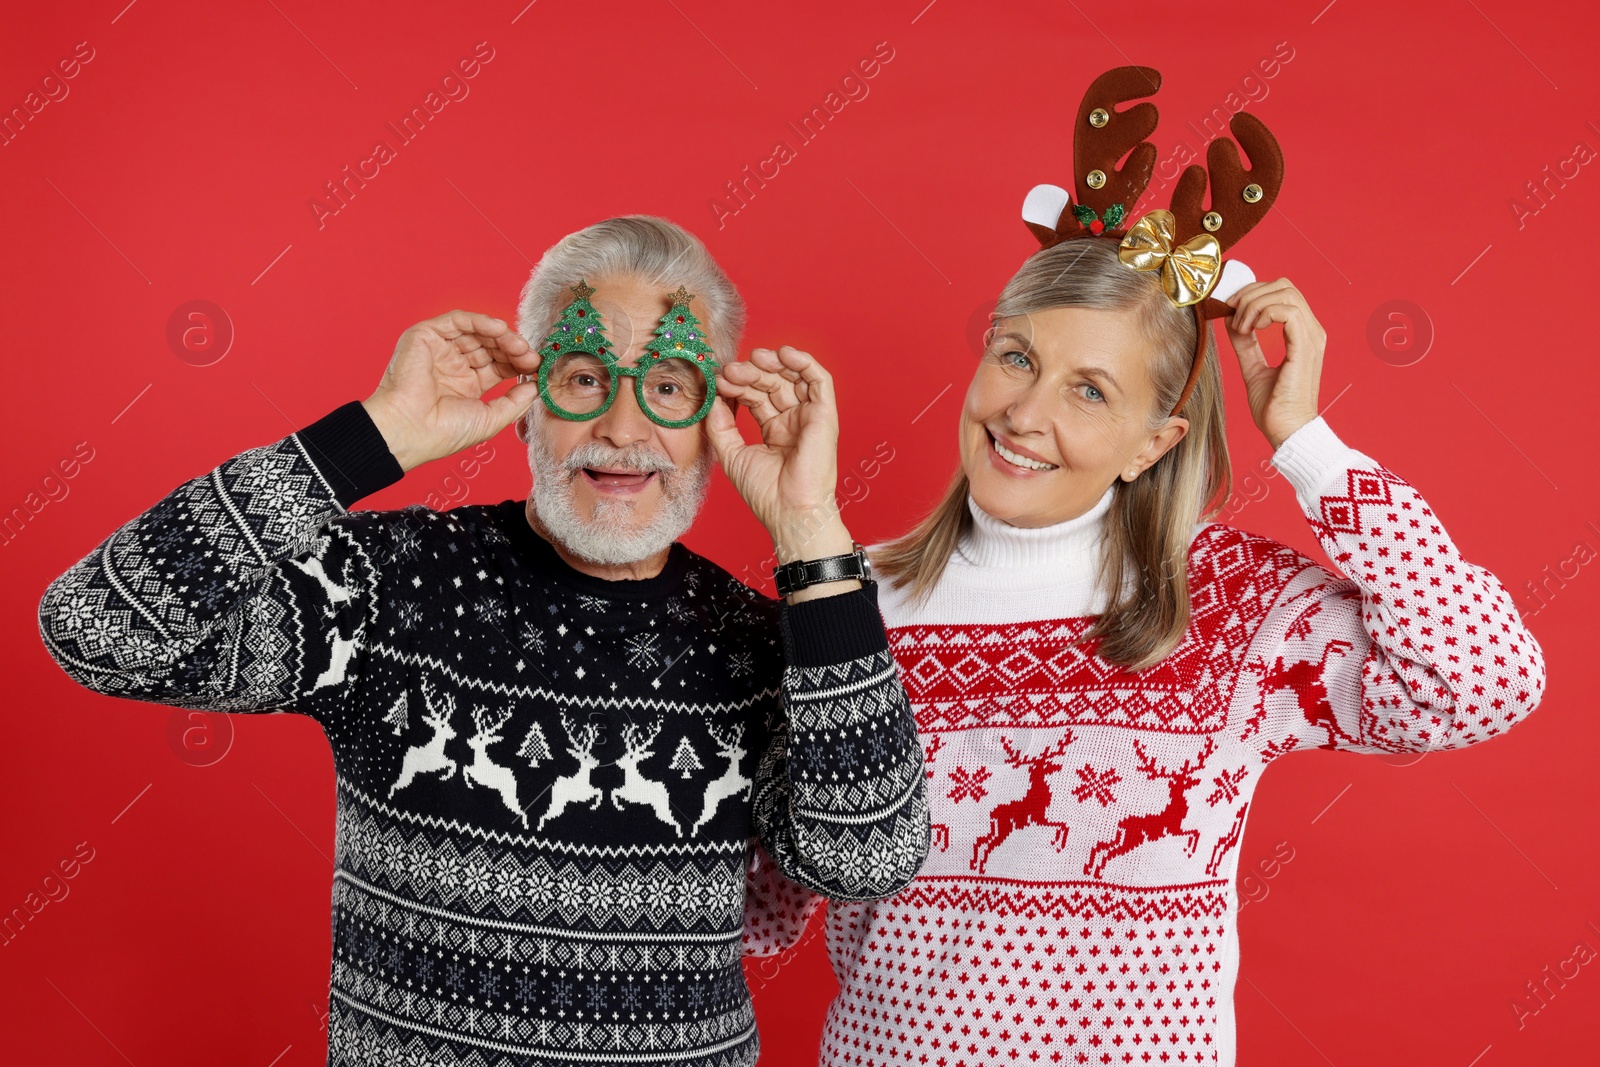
674 380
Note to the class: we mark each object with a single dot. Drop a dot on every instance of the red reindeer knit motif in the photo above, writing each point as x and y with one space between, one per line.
1078 905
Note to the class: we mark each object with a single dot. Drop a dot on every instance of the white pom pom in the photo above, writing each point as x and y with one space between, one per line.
1044 204
1235 276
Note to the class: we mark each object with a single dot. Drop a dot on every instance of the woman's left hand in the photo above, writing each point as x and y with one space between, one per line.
1282 398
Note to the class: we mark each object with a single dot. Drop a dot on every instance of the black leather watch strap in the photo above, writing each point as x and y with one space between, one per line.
797 575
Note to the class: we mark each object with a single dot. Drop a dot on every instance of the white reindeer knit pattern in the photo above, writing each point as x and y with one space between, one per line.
524 873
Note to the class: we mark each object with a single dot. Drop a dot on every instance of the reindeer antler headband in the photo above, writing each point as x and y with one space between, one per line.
1184 244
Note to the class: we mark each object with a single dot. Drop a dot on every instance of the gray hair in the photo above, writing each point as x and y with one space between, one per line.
660 252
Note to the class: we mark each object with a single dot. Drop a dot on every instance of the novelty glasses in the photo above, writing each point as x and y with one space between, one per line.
674 378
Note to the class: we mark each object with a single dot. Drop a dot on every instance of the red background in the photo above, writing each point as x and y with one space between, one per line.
1420 899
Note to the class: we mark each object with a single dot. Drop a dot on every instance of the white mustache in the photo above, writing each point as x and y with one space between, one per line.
596 454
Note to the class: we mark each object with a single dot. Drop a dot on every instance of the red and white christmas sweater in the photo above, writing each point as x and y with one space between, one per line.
1078 905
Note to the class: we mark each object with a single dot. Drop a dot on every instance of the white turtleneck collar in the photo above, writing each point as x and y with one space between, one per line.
1001 573
1069 546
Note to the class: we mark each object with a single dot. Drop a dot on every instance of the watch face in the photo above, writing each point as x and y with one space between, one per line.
864 562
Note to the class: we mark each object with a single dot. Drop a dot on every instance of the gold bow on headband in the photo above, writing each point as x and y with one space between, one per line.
1188 271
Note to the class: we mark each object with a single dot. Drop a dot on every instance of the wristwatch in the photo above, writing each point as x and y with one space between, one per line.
794 576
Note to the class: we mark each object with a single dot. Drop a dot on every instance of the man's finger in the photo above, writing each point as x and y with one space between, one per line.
510 350
779 388
816 377
491 372
481 337
453 324
512 405
512 343
759 403
747 377
722 430
767 359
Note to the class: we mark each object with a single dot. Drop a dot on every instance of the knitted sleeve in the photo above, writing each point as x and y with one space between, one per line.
245 589
840 800
1411 649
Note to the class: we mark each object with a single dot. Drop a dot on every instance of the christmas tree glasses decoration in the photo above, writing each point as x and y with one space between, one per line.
674 379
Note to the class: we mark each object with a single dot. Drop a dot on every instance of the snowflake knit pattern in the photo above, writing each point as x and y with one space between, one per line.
1079 902
547 783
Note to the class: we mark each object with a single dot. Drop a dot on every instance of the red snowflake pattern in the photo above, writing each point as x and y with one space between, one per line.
968 783
1096 784
1227 784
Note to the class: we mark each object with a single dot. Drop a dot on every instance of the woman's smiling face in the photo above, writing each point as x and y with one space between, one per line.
1057 411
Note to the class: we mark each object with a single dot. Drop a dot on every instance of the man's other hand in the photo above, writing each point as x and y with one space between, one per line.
432 401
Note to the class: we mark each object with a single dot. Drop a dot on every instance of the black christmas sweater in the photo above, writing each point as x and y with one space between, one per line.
550 786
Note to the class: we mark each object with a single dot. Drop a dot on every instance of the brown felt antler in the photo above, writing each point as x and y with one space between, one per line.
1239 198
1100 138
1106 195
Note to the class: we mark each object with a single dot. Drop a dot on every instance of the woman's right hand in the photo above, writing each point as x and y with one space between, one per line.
430 402
1282 398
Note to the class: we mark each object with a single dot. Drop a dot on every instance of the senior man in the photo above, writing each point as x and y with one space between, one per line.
553 726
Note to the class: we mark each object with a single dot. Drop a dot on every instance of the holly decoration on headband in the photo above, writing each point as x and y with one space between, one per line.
1096 223
679 333
1213 205
579 328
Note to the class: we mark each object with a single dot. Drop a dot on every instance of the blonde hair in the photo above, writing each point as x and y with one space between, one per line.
1144 559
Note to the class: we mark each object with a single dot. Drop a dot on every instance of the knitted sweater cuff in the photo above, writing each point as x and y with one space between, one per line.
351 453
833 629
1311 456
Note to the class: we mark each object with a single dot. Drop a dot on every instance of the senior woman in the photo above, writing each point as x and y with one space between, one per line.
1101 676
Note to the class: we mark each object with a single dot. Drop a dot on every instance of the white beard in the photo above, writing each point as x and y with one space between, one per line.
610 536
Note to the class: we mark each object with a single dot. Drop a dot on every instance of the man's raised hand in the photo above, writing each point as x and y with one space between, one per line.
788 479
430 402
